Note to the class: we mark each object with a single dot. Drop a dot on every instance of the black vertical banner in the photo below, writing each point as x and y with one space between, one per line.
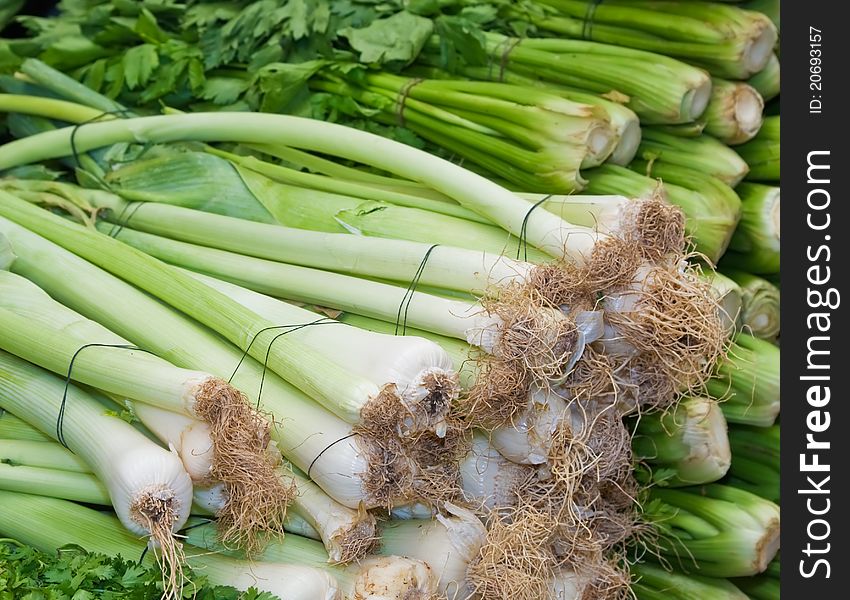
815 58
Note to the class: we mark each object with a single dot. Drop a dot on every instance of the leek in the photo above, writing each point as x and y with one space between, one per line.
729 296
686 445
755 245
147 485
13 428
715 530
547 233
50 523
702 153
747 382
68 485
762 152
762 587
308 439
760 310
734 115
489 479
726 40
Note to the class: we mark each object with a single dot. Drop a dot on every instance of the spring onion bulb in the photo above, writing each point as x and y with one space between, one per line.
50 523
716 530
747 382
730 302
726 40
652 582
734 115
548 233
150 491
314 440
767 81
43 454
690 440
760 310
447 543
372 578
755 460
703 153
755 245
762 153
659 89
711 208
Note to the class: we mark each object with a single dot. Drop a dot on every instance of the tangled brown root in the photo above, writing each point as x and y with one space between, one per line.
355 542
675 321
655 226
437 461
155 509
390 478
499 394
516 562
643 384
593 378
257 496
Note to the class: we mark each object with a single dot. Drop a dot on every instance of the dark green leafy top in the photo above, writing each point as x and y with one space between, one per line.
74 574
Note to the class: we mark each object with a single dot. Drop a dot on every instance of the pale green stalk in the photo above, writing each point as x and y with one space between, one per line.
546 232
44 454
734 114
755 245
767 81
760 310
653 582
13 428
703 153
54 483
762 153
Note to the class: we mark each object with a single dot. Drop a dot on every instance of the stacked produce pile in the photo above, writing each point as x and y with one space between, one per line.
394 300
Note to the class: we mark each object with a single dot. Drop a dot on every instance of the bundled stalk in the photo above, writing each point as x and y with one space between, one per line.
755 245
760 310
659 89
714 530
711 208
702 153
534 139
44 454
315 441
762 152
57 337
49 524
734 114
767 81
747 382
686 445
726 40
755 460
624 121
147 485
652 582
13 428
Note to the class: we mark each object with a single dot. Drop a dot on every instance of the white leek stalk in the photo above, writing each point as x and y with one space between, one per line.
49 524
447 544
148 487
419 369
527 439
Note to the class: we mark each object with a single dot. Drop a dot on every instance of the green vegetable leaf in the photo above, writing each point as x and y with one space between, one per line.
396 39
139 64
